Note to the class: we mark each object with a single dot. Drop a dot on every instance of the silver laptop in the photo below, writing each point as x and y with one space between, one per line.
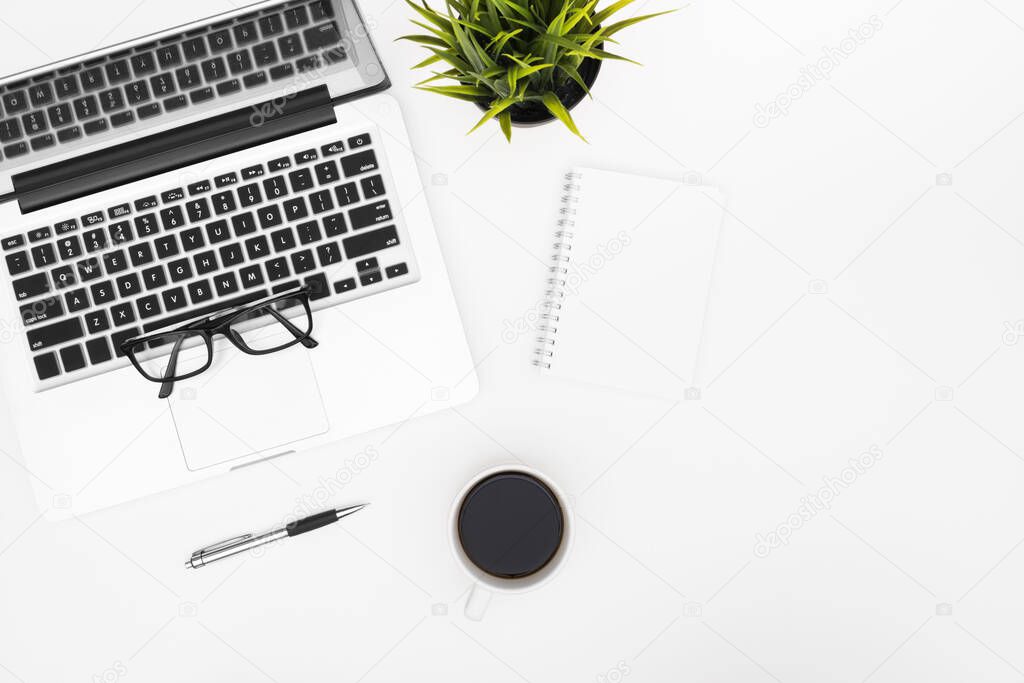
195 172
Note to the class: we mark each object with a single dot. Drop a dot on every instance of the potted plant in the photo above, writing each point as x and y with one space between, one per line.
523 62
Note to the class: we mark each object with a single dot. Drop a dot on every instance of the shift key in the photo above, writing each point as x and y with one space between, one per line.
57 333
369 242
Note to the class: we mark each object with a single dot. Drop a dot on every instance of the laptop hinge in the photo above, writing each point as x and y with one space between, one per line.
172 149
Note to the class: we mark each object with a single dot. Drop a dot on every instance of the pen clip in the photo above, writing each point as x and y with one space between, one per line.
222 545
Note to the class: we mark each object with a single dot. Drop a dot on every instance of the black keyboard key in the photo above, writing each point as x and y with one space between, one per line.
270 216
327 172
243 224
15 102
248 195
154 278
252 276
371 214
119 211
173 195
92 79
321 9
43 255
40 311
14 242
15 150
148 306
367 264
329 254
302 261
77 300
360 140
192 239
200 291
69 134
34 122
246 33
162 85
225 283
223 202
72 358
306 156
189 77
118 72
67 87
94 127
128 285
111 100
94 218
290 46
40 94
285 286
122 119
240 62
321 36
301 179
281 71
146 225
95 240
220 41
123 314
321 201
166 246
346 194
310 63
198 210
69 248
120 232
141 254
172 103
46 366
346 285
55 334
205 262
180 270
119 338
201 95
10 130
174 299
217 232
43 141
86 107
257 247
231 255
370 278
97 321
318 288
279 164
168 56
214 69
144 63
31 286
334 224
64 227
370 242
199 187
60 115
354 164
296 17
275 187
226 180
277 268
283 240
194 48
148 111
98 350
115 262
172 217
39 234
271 25
372 186
308 232
228 87
102 292
255 80
295 209
265 54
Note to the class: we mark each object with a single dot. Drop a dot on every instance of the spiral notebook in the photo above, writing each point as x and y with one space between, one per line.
627 297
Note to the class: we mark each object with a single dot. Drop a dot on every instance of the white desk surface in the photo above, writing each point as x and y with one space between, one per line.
860 300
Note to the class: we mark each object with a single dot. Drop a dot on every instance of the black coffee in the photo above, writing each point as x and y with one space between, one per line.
510 525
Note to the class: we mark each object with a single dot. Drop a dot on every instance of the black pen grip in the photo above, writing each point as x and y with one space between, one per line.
316 521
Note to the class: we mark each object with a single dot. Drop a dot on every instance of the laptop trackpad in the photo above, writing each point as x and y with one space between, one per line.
248 404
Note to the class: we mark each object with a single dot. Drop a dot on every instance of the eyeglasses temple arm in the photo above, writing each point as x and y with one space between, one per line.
172 366
307 341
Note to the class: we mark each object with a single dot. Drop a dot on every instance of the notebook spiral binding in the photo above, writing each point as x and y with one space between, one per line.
552 305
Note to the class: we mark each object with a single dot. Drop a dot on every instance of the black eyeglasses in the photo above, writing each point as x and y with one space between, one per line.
263 326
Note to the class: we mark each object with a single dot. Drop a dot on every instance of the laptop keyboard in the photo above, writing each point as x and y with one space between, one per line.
321 216
85 100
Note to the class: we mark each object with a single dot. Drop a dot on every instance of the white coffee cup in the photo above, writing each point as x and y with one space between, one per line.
485 585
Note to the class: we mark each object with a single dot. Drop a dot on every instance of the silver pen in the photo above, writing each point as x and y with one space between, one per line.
240 544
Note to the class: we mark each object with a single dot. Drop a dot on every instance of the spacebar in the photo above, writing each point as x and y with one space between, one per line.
200 311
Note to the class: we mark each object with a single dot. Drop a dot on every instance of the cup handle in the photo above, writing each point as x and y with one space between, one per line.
477 602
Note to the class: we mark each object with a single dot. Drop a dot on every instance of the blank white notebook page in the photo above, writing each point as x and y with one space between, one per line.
638 255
